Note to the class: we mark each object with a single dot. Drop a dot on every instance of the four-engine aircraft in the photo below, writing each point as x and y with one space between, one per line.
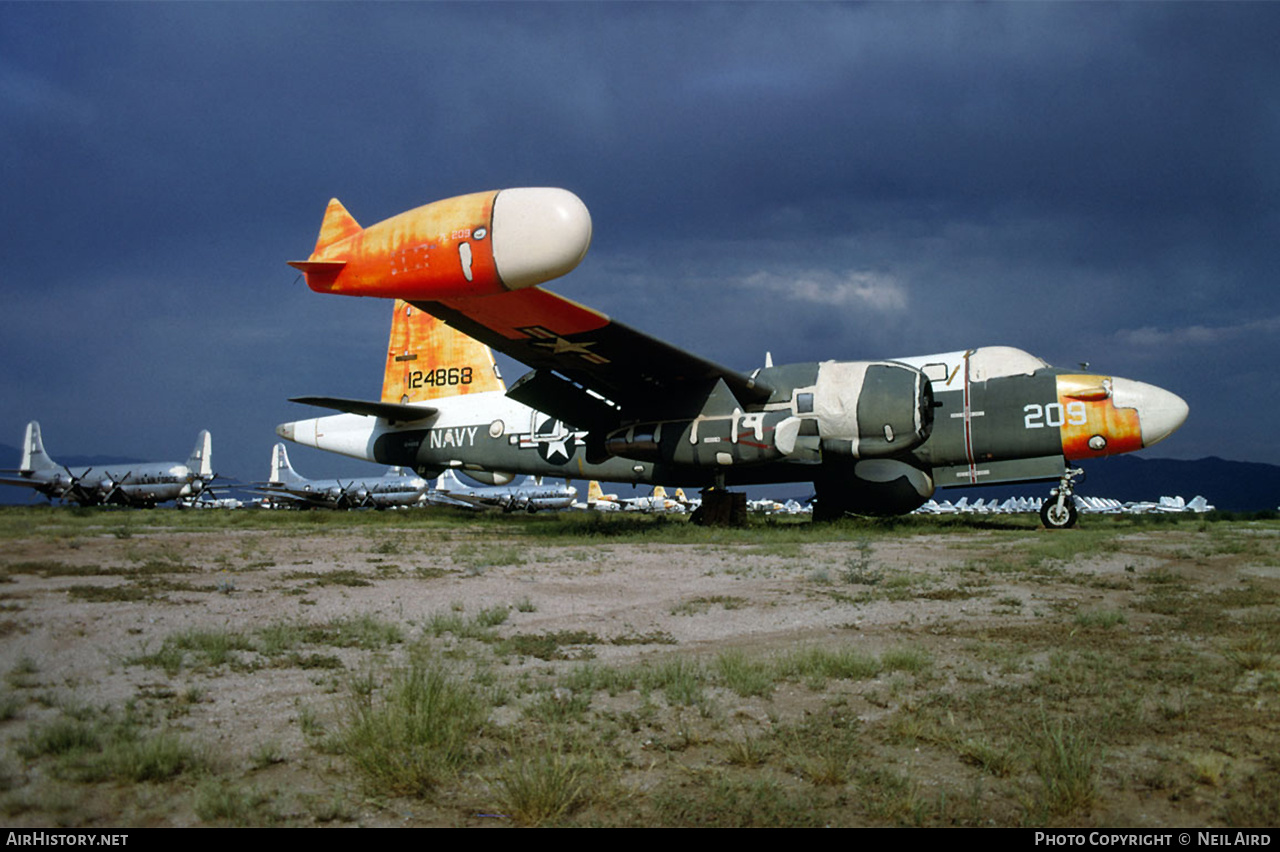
395 488
872 436
529 495
142 484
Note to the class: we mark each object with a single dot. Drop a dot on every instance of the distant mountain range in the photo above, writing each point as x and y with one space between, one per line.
1229 485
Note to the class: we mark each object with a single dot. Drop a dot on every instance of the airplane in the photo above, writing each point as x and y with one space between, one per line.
143 484
656 503
605 401
394 488
598 501
529 495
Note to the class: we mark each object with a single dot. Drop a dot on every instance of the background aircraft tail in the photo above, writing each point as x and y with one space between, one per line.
201 460
282 473
33 455
427 359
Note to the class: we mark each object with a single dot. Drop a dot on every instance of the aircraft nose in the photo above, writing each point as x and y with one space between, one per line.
539 233
285 430
1159 412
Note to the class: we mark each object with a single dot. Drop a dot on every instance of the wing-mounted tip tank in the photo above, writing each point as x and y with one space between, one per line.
472 245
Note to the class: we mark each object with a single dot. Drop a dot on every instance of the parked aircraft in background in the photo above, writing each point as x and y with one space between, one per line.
657 502
394 488
1083 505
598 501
142 484
528 495
872 436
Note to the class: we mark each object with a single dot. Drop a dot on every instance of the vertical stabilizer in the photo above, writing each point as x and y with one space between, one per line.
282 473
338 224
427 359
33 455
201 460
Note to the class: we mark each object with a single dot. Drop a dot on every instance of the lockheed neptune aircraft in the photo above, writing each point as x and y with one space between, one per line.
395 488
142 484
605 401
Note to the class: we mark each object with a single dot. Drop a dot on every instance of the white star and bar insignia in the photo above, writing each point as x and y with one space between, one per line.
558 345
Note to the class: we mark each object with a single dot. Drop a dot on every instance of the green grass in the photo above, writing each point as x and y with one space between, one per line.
414 734
1061 711
542 789
744 675
1067 766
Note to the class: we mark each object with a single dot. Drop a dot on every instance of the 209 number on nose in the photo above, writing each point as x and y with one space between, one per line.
1053 415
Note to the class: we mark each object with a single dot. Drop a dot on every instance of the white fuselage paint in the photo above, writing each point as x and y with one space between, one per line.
460 421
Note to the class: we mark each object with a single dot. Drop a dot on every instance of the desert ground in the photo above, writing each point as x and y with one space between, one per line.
434 668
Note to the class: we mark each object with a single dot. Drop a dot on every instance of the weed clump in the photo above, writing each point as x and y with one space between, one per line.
415 734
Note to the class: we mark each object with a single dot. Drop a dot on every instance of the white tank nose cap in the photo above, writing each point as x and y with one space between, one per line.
1160 412
539 233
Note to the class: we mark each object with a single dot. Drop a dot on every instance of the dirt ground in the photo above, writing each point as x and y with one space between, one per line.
1002 637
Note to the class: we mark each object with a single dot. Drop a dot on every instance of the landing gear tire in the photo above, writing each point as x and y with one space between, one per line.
1058 517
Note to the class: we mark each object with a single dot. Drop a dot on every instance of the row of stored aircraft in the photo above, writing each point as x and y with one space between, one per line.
1083 504
604 401
146 484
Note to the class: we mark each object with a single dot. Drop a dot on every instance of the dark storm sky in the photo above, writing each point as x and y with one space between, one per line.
1090 182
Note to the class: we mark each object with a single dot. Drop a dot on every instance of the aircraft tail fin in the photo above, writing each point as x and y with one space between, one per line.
427 359
201 460
282 473
448 481
324 265
594 492
33 455
338 224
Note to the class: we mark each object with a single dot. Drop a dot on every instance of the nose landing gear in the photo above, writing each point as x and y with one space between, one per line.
1059 511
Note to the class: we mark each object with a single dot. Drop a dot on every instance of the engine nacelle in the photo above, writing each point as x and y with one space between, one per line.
872 409
872 487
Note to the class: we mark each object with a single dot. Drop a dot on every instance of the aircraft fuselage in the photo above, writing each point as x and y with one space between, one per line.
994 414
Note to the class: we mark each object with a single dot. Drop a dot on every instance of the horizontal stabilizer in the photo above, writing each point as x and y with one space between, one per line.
318 266
387 410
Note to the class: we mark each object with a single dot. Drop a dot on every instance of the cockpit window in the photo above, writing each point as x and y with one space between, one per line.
990 362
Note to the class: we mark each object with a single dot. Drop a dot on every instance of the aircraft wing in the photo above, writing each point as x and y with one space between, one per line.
286 493
440 498
589 370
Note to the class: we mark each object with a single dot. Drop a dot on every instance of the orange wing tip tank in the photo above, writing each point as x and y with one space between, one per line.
472 245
